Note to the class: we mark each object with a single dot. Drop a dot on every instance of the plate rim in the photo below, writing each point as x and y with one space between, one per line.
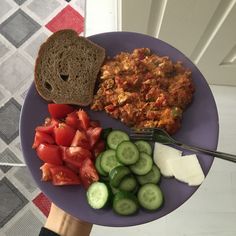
172 48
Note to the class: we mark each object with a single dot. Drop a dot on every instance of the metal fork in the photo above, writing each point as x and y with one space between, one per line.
161 136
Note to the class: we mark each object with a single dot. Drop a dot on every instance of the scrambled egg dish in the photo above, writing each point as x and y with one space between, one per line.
143 89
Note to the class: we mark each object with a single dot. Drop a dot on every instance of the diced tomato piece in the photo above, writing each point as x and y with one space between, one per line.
94 135
94 123
49 153
73 121
71 151
72 167
59 111
48 126
46 173
41 137
83 117
75 156
88 173
99 147
64 134
62 175
81 140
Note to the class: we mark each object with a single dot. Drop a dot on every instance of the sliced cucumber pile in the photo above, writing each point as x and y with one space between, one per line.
97 195
128 176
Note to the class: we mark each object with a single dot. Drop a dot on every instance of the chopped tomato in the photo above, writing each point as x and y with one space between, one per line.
64 134
41 137
98 148
73 121
83 117
88 173
59 111
81 140
94 135
94 123
49 153
48 126
75 156
62 175
67 144
46 173
72 167
71 151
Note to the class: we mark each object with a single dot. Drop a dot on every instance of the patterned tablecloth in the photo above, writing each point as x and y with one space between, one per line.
24 25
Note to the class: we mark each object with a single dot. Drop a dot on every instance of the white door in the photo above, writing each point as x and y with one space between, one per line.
204 30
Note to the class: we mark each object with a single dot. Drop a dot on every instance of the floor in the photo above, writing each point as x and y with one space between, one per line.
24 25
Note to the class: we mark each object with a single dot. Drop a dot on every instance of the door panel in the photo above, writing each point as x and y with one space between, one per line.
218 62
185 21
204 30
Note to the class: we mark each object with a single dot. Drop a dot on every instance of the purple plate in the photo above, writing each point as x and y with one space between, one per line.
199 127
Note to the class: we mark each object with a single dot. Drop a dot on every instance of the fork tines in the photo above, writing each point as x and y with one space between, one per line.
142 133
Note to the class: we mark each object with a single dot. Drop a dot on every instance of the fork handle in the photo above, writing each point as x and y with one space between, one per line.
222 155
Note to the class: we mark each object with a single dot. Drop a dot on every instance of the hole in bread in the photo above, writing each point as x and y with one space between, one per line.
94 57
48 86
64 77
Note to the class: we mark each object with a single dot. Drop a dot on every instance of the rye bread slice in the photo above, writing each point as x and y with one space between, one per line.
66 68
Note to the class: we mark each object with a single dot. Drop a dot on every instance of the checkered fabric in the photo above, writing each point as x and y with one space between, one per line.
24 25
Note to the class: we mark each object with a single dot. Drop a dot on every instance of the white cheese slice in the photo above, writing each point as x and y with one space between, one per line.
187 169
163 153
196 180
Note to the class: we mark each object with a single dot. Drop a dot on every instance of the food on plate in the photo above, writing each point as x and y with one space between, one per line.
162 153
128 176
186 168
144 146
143 89
98 195
116 137
125 203
150 196
66 68
153 176
68 143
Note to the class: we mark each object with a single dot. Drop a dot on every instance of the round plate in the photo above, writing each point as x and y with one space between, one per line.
199 127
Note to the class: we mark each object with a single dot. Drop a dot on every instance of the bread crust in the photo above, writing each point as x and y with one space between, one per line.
66 68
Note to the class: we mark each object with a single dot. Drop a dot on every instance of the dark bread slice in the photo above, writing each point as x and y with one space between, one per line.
66 68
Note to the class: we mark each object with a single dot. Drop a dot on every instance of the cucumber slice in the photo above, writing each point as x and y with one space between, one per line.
125 203
98 165
115 137
144 146
143 165
153 176
150 197
127 153
104 179
117 174
128 184
114 190
97 195
108 160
